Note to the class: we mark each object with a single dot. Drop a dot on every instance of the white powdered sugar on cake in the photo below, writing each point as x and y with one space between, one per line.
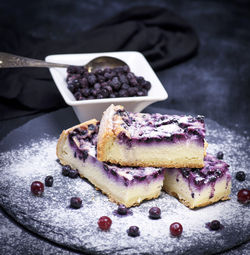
51 217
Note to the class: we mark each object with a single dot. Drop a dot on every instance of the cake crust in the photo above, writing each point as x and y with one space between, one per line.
110 127
205 203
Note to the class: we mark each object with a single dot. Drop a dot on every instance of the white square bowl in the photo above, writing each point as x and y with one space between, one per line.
88 109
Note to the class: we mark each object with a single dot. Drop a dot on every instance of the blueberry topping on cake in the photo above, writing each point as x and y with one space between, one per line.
185 172
200 118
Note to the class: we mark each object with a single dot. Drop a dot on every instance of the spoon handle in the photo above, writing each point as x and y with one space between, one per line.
8 60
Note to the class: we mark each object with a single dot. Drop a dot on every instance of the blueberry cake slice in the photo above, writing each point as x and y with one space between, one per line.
124 185
196 187
139 139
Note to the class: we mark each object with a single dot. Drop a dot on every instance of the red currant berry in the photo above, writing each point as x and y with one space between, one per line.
176 229
104 223
244 196
37 188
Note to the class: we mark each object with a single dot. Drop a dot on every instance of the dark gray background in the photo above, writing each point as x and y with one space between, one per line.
214 83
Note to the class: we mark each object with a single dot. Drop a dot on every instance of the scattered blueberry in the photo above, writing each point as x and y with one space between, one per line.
176 229
122 210
214 225
49 181
37 188
220 155
240 176
155 213
104 223
75 202
65 170
244 196
133 231
73 173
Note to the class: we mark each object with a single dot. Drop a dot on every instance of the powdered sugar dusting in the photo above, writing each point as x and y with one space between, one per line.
51 216
44 150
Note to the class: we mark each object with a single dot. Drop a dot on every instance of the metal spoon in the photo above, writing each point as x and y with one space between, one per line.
9 61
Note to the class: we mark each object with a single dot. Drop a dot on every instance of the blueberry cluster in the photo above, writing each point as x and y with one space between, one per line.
107 83
68 171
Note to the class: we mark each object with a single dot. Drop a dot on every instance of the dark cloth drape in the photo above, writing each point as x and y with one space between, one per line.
163 37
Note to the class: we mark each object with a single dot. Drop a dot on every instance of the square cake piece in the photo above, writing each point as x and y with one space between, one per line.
124 185
140 139
199 187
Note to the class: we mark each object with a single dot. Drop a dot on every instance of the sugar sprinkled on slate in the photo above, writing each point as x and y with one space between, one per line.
51 217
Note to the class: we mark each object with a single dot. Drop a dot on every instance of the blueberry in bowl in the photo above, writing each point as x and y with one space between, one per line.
105 83
89 94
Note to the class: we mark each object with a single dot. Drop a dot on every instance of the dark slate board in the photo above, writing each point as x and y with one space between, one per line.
28 154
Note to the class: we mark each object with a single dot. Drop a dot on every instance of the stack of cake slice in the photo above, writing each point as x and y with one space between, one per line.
131 156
